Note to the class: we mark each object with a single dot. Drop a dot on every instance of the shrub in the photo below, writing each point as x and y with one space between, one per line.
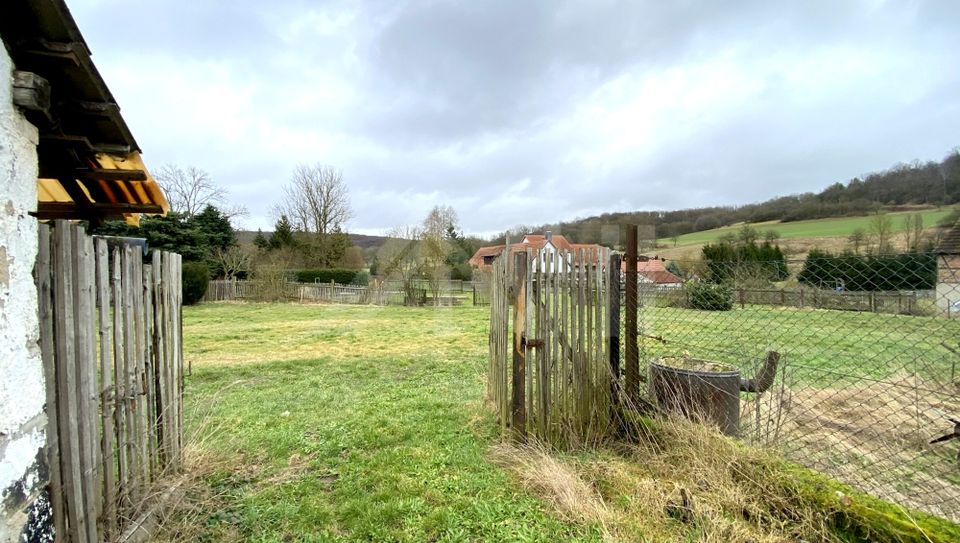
710 296
886 272
462 271
360 279
194 276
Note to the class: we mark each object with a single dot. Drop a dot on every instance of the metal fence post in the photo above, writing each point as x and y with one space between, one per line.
632 369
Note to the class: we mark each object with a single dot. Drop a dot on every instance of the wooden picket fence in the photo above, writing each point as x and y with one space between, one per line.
554 359
225 290
111 342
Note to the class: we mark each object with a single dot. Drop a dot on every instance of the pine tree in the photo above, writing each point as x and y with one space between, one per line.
282 234
261 241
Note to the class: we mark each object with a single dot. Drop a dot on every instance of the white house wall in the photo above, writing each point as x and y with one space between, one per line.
24 509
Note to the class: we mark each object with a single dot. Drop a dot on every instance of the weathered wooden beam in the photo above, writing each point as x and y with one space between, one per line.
30 91
96 109
101 174
68 210
81 142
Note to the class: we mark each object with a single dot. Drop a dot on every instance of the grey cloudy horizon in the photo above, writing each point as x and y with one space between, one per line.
530 112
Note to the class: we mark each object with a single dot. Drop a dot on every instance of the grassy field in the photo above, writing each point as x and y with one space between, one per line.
824 348
350 423
819 228
359 423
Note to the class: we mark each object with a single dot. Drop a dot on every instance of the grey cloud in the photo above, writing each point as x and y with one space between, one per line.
424 102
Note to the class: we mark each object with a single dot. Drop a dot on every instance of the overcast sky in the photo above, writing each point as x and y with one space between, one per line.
528 112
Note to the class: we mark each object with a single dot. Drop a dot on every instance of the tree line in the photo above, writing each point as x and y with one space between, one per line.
931 182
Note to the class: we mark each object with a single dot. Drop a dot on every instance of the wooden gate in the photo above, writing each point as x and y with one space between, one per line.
111 341
554 359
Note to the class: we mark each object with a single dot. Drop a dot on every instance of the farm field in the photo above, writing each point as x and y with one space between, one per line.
819 228
362 423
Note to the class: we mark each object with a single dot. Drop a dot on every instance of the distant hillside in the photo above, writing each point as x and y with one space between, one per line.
904 186
360 240
817 228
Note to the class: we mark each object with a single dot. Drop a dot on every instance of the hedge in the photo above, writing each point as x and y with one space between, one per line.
906 271
195 278
339 276
710 296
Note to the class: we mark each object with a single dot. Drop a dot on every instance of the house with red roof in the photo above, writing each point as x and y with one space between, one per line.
653 272
547 244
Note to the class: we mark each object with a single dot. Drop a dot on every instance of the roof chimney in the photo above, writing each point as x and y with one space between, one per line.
549 236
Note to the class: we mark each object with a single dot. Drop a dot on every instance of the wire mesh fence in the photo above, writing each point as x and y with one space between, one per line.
867 380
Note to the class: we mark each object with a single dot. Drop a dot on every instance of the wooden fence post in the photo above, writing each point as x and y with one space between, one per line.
613 333
518 399
632 370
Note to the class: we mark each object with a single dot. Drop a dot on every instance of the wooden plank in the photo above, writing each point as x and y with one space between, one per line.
178 354
135 493
613 332
159 354
140 380
150 372
102 174
68 410
556 348
588 358
44 280
88 209
86 372
120 383
531 359
518 401
107 457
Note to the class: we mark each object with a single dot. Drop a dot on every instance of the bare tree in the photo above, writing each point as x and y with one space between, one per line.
857 239
316 199
881 228
233 260
913 230
400 259
436 247
190 190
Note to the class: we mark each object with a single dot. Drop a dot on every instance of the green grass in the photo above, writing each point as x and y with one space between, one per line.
350 423
360 423
836 227
824 348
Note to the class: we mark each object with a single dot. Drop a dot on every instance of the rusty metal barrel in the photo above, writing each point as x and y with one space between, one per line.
706 391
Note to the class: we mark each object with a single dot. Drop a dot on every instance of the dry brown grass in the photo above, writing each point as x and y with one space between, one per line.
682 482
554 479
881 431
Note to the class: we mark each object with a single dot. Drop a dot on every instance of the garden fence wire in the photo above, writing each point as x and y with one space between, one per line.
867 385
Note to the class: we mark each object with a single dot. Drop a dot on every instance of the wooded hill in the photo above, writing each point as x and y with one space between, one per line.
917 183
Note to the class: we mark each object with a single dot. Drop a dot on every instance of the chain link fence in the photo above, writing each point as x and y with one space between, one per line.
867 380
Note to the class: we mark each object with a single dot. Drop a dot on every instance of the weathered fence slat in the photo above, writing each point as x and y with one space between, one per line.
45 288
107 458
99 327
64 347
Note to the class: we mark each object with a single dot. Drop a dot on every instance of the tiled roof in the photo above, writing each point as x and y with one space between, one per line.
661 277
537 242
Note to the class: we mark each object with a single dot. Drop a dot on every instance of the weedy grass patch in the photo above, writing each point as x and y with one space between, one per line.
361 423
346 423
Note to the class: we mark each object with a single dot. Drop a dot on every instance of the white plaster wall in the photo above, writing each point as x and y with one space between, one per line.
22 395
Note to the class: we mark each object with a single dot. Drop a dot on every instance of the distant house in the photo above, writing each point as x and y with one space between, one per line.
547 244
653 271
948 271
